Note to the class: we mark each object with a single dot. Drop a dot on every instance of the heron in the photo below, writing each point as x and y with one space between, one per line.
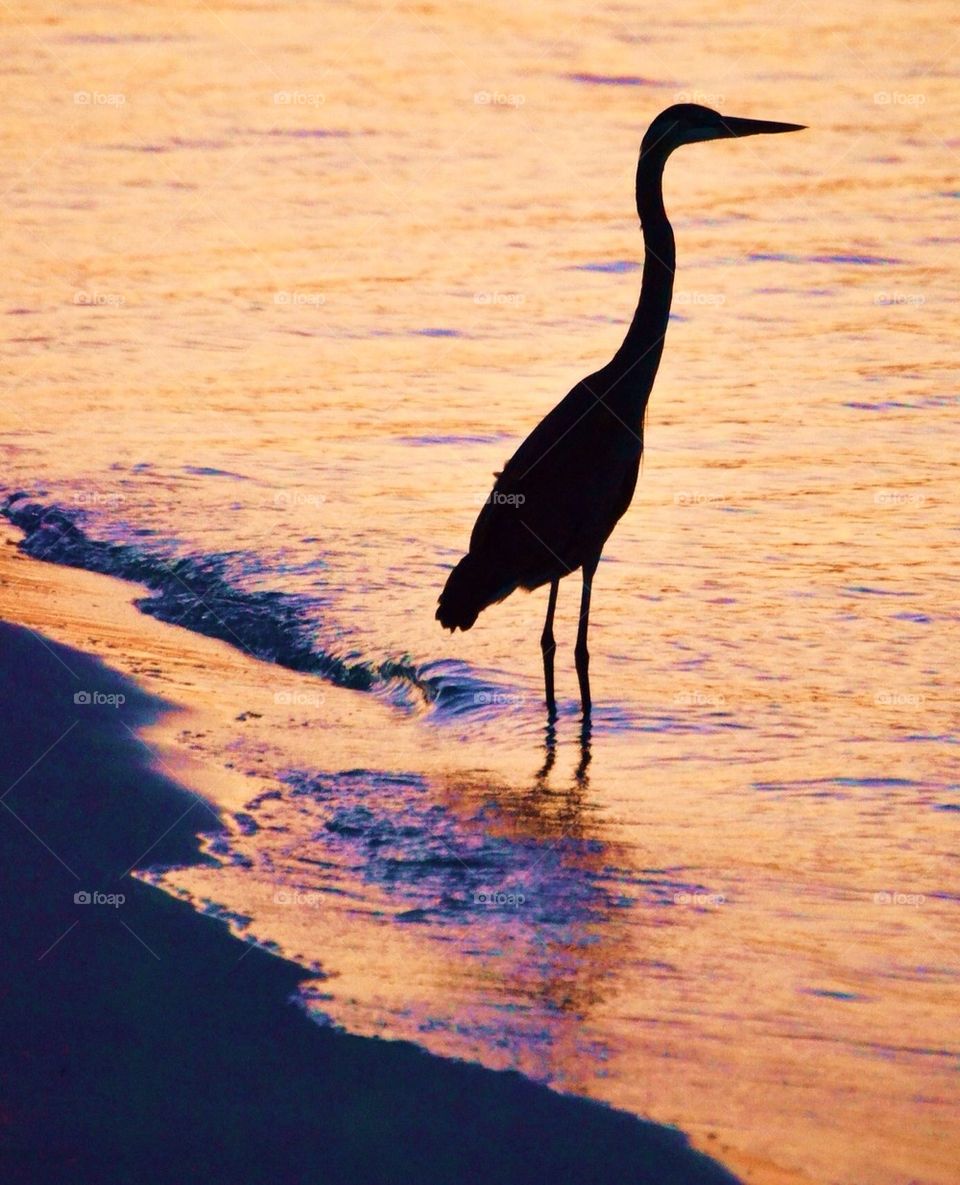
559 497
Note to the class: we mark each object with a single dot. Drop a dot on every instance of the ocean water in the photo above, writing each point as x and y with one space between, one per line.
285 284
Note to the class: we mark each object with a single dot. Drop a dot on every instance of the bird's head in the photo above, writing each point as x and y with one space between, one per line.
689 123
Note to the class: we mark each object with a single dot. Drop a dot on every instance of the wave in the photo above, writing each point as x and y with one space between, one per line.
197 593
194 592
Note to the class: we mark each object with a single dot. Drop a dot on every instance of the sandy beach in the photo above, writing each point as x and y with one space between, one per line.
140 1041
207 727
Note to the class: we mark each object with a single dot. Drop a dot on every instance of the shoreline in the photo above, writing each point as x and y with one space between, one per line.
146 1042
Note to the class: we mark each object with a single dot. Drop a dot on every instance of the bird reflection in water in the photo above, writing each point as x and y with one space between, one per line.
550 749
557 810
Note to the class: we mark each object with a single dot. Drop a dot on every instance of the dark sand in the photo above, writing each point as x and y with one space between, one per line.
145 1044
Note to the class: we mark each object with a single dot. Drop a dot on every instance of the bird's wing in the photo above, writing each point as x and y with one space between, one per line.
552 433
562 491
535 469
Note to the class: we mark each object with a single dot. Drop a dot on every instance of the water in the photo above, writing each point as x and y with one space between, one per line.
285 285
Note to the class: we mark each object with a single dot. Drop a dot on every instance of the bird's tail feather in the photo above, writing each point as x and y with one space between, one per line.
470 588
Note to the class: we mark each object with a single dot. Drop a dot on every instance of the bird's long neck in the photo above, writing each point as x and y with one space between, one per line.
634 366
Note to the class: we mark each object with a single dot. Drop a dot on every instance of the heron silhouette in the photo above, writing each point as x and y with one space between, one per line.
560 495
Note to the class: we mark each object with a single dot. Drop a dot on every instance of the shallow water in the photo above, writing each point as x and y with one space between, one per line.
284 287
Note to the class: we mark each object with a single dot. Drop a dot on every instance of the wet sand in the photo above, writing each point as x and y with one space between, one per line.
142 1041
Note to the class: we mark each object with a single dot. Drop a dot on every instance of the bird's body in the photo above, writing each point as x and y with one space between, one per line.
543 519
561 494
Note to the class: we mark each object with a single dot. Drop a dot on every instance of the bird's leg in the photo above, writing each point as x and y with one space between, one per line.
549 647
581 653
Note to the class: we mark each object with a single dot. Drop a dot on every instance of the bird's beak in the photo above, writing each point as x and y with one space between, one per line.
755 127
